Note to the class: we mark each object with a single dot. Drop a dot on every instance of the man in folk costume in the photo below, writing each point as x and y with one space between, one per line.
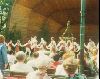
75 47
10 45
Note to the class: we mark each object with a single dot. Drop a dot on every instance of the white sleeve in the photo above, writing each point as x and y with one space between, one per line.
57 45
31 64
12 67
13 45
58 70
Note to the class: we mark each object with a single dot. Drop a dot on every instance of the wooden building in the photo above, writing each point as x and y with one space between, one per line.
29 15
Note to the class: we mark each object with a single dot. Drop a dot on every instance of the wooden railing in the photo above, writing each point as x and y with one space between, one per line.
14 75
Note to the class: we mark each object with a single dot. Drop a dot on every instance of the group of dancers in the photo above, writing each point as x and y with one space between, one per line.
64 45
33 45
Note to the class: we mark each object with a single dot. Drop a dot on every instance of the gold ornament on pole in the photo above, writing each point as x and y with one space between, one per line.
68 31
68 24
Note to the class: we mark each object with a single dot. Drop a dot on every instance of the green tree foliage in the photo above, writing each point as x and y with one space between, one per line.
13 34
44 32
5 12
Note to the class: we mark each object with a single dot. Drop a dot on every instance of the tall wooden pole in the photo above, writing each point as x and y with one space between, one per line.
82 35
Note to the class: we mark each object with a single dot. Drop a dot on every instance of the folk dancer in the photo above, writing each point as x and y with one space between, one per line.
34 46
10 45
17 46
52 47
28 47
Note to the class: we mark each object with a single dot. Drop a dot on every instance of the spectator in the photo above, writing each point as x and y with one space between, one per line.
34 60
41 72
62 69
11 57
71 65
3 54
56 62
20 66
68 55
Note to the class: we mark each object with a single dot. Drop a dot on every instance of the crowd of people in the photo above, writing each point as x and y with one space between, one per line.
62 56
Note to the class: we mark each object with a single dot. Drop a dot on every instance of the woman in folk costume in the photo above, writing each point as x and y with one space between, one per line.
28 47
52 47
90 45
34 39
10 45
61 46
42 45
91 61
17 46
70 45
34 46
